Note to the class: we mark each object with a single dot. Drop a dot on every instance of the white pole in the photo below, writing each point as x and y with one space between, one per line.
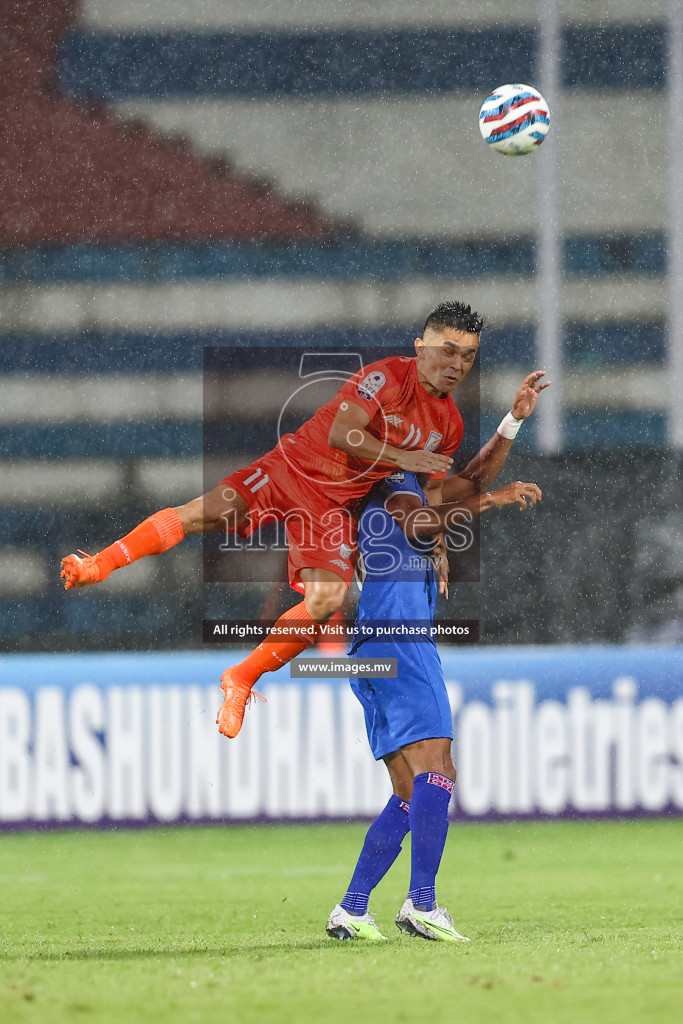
549 265
675 246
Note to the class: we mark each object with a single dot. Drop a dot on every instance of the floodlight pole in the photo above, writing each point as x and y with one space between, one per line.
675 233
549 237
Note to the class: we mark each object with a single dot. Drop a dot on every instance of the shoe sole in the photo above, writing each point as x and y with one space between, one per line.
410 928
339 933
229 735
419 931
229 731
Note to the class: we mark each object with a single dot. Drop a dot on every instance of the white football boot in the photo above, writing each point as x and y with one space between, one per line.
342 925
428 924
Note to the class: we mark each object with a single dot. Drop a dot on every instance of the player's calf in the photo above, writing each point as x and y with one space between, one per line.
154 535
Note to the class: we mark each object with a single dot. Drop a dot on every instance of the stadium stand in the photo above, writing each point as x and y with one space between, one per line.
136 230
76 173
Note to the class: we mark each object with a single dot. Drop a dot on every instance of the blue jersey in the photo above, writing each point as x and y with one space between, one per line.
399 590
398 578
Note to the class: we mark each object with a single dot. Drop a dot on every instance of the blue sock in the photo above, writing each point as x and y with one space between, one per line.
429 826
381 848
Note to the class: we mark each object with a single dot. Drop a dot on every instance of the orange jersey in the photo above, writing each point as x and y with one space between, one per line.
402 414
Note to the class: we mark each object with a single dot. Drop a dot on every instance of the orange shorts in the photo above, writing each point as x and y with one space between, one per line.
320 533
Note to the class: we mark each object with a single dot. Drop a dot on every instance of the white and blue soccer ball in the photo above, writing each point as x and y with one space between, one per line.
514 119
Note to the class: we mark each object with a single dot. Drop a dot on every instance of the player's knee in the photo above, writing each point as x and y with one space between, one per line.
324 599
443 764
218 510
447 767
191 516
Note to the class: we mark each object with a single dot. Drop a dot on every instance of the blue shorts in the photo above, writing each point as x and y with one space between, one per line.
412 707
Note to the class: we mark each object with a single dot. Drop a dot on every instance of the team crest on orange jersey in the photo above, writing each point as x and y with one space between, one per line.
433 441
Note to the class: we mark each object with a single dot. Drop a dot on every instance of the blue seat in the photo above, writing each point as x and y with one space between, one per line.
157 438
617 430
610 343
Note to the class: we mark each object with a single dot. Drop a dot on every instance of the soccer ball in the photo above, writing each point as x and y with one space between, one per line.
514 119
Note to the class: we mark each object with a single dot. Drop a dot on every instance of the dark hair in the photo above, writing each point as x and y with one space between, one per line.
456 315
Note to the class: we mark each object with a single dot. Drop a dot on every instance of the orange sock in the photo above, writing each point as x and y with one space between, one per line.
301 632
160 532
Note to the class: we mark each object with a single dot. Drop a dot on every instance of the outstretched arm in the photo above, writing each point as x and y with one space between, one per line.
420 522
480 473
427 522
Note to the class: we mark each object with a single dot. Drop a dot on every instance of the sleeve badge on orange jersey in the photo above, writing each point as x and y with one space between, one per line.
371 384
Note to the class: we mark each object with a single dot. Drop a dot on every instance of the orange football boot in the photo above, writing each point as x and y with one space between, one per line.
80 571
237 696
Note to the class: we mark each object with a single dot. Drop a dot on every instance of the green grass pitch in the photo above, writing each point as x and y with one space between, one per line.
569 921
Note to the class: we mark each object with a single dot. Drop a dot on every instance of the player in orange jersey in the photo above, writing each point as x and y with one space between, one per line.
397 413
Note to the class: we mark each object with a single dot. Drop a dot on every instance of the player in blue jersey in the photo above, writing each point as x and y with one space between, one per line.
408 718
